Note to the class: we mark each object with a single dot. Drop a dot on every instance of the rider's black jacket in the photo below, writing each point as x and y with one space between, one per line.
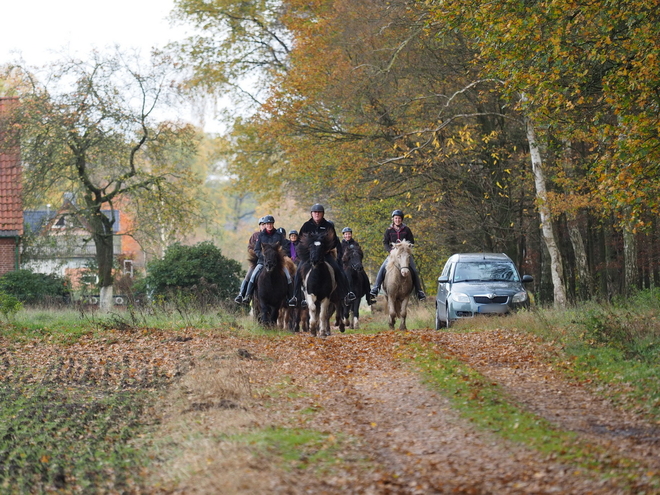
324 226
272 237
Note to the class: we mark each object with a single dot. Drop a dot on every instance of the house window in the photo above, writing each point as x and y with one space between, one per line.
60 224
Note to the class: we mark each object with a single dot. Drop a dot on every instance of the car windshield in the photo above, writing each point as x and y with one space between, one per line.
485 271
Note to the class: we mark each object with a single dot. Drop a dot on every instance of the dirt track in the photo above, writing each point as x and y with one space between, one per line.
406 438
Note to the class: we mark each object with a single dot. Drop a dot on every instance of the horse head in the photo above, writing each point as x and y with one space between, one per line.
314 247
273 257
353 258
399 258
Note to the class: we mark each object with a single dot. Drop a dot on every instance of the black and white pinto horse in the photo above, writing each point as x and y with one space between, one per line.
270 290
352 264
319 283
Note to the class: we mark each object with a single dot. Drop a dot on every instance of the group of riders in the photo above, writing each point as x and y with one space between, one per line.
318 224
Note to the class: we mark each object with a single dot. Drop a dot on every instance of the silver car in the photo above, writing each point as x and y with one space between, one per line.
479 283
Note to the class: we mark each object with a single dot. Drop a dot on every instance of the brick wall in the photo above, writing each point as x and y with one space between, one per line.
7 254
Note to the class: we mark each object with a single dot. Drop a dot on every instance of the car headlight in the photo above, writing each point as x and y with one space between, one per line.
519 297
460 297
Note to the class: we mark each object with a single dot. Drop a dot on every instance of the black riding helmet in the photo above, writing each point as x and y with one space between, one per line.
346 229
293 232
269 219
318 207
396 213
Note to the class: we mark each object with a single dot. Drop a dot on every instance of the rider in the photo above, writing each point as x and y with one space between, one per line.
318 224
267 236
294 240
250 247
397 232
347 242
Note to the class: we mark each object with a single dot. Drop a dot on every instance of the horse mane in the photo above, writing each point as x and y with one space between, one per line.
403 245
307 240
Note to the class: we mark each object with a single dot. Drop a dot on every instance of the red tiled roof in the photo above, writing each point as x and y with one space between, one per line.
11 203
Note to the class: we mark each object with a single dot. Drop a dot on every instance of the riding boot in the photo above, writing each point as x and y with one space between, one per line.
289 291
248 292
241 292
418 288
379 280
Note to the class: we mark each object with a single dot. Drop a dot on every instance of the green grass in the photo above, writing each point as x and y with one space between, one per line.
295 448
68 439
486 405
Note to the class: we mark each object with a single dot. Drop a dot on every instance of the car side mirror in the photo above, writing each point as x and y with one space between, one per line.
527 278
443 279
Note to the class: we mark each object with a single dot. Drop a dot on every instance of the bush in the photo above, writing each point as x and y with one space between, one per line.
30 288
9 305
187 268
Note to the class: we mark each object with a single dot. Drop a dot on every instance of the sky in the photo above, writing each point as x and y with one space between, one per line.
39 29
42 31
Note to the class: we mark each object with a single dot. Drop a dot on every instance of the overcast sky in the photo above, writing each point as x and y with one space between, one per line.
39 29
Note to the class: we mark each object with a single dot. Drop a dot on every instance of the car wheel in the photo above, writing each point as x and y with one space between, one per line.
438 321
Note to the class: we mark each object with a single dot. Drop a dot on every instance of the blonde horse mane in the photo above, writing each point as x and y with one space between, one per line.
396 248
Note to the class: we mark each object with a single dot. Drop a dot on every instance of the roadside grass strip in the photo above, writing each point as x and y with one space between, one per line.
485 404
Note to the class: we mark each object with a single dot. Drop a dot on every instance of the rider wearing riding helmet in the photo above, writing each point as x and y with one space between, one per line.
250 247
253 238
294 240
349 242
397 232
267 236
318 224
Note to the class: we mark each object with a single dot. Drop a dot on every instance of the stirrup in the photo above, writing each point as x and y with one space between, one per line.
238 299
303 303
246 299
351 296
420 295
374 291
293 302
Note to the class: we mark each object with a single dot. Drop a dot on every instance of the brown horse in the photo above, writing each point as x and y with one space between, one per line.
398 283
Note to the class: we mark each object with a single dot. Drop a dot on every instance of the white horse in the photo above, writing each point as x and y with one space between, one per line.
398 284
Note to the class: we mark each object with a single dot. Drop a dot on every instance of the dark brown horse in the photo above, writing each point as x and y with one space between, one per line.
357 278
270 291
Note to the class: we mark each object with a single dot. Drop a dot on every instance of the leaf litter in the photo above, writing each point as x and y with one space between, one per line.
390 433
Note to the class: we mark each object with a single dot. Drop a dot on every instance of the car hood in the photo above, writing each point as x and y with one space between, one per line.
479 288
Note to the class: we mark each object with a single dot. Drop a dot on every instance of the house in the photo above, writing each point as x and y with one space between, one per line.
11 204
60 242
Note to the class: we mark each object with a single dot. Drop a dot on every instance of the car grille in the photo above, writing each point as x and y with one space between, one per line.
494 300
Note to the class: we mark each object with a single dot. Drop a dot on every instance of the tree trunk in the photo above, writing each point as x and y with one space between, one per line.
631 275
556 267
104 243
584 282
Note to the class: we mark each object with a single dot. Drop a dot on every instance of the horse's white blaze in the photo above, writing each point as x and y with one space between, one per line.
317 243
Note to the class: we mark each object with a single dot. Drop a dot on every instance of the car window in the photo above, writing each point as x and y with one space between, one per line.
445 270
485 271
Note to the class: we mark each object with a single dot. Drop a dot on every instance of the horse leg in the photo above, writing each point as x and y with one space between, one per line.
356 314
404 313
324 318
391 308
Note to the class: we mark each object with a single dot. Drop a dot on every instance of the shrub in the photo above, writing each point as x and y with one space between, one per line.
29 287
9 305
186 268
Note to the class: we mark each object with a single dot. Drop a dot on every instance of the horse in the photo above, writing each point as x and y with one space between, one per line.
398 283
352 263
270 291
319 283
288 317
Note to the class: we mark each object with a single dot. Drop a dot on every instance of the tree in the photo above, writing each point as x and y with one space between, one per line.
90 130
